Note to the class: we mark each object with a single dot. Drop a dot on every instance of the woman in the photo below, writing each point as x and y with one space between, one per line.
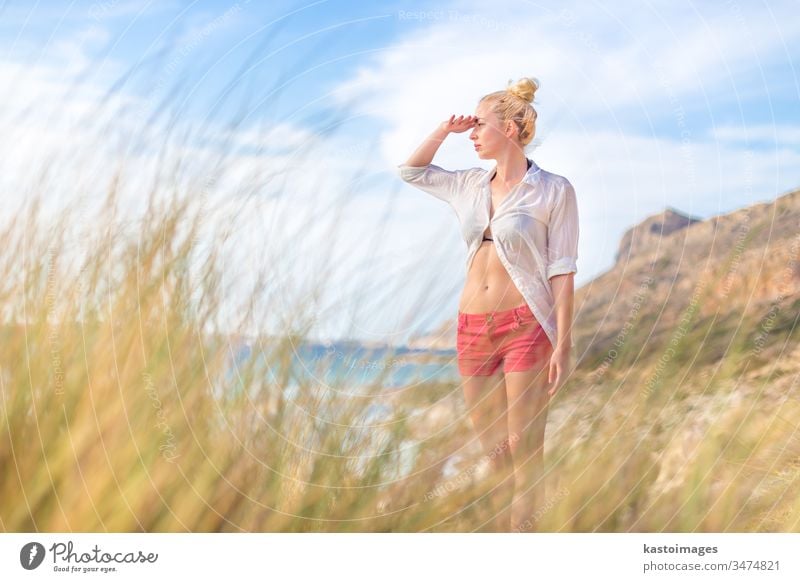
520 224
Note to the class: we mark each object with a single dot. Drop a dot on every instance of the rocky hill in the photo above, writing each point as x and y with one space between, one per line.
648 232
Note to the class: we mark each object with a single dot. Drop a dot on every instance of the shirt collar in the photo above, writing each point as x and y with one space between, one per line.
530 176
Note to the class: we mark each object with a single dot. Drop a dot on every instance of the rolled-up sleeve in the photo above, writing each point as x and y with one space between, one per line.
443 184
562 233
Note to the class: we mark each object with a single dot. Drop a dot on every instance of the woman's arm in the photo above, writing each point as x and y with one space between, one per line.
562 255
423 155
564 292
421 173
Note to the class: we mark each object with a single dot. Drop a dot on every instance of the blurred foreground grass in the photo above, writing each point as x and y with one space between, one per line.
118 414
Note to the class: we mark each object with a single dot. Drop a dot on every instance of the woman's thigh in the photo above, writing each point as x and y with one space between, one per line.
527 401
485 397
527 352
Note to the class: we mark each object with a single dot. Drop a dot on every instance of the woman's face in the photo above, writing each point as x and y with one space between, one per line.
487 135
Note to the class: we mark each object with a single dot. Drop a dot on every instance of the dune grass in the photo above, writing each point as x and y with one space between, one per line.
119 414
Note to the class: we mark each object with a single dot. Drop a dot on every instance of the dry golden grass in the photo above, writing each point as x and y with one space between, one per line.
111 419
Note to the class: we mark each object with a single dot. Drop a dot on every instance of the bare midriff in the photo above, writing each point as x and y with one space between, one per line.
489 286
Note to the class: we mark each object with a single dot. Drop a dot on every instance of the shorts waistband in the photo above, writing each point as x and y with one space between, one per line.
495 316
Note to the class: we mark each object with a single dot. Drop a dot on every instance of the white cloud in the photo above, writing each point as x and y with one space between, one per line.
778 135
594 59
604 70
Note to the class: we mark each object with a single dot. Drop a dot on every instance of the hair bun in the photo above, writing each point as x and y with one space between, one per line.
525 88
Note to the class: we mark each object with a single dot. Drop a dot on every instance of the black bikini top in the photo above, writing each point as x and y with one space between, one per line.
530 163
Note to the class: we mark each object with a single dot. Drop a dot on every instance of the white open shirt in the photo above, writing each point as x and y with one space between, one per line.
535 227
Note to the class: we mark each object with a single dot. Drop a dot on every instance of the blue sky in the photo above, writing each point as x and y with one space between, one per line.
643 105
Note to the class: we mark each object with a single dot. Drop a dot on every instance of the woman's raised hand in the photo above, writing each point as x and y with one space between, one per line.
459 124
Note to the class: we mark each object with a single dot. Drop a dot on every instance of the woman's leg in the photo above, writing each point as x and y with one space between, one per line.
526 393
486 403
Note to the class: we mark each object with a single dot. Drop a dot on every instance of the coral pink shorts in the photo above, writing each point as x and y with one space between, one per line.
513 337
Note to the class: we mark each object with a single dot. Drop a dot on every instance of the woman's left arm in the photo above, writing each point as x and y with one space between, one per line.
564 292
562 256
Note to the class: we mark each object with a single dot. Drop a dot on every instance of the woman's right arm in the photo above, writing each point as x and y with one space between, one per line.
425 152
421 173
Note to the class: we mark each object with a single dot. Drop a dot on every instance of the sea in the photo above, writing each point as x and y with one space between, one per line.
354 364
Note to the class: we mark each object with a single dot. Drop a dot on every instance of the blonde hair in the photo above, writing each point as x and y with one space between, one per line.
514 104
